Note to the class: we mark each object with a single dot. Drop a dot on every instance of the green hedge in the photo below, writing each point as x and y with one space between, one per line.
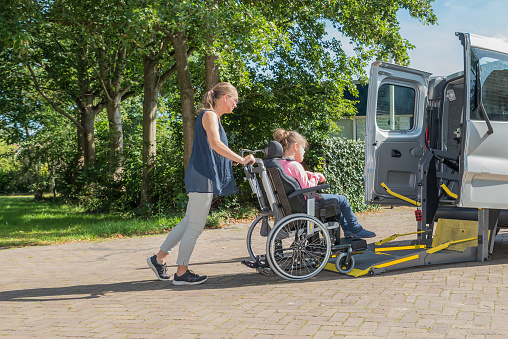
342 165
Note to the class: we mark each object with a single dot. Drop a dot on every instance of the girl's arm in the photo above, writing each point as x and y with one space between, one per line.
319 176
296 170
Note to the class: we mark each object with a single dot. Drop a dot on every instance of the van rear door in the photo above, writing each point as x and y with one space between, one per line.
484 158
395 132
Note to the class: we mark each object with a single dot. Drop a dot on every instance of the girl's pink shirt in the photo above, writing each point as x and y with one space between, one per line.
296 170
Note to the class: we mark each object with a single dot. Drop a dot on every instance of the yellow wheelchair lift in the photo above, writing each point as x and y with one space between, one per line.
451 241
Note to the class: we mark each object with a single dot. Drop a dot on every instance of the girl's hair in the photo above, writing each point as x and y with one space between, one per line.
215 93
288 138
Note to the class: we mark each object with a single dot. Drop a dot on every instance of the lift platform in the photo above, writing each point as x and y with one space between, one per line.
449 241
454 242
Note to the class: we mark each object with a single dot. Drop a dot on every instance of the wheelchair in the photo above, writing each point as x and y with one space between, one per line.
305 231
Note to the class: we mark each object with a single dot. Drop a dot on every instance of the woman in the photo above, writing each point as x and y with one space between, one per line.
294 146
209 172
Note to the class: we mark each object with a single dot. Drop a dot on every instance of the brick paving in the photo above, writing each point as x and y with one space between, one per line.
104 289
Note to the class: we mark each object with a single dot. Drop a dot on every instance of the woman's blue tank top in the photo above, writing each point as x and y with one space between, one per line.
208 172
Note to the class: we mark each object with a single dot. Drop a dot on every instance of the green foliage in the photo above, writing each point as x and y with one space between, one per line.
11 174
288 73
343 166
167 178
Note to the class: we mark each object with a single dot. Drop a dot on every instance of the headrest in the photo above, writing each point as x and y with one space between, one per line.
274 150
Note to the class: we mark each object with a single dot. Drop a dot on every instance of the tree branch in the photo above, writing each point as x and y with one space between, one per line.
56 108
128 95
164 47
172 70
103 74
125 90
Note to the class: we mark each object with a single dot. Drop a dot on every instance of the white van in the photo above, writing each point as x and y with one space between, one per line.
441 142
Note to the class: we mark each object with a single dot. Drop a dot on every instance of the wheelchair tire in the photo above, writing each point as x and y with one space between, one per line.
341 264
295 254
256 243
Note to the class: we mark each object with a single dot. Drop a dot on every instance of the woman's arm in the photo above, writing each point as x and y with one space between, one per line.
211 126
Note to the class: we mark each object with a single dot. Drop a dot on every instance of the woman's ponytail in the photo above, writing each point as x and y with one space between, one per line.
217 92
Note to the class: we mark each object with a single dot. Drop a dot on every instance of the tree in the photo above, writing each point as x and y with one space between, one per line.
77 49
182 27
253 29
20 105
54 53
84 56
118 73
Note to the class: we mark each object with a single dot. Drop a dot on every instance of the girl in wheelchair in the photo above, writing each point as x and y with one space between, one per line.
294 146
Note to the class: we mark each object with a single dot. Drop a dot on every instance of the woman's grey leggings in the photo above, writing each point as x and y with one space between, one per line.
188 230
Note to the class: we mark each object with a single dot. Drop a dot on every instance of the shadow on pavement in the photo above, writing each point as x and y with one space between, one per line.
98 290
214 282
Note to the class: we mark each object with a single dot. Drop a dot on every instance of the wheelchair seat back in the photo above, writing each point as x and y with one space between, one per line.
282 184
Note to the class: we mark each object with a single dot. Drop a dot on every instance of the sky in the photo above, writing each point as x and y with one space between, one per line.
437 49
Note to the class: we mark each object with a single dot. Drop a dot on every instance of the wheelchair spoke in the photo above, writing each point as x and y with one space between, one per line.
294 253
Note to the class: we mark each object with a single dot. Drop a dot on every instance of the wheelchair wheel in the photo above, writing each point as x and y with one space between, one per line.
341 264
298 247
256 243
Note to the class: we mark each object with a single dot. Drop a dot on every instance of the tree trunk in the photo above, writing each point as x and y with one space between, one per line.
113 107
212 77
87 112
88 119
150 96
187 93
112 73
80 155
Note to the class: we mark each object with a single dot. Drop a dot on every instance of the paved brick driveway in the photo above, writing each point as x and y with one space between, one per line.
105 289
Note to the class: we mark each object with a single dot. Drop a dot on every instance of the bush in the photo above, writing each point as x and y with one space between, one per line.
12 178
343 165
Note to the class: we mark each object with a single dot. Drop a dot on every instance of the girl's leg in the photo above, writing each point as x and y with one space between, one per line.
347 219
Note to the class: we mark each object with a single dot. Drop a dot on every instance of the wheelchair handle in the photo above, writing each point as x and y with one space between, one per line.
251 152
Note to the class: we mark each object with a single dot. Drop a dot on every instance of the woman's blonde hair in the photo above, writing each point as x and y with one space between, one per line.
288 138
216 93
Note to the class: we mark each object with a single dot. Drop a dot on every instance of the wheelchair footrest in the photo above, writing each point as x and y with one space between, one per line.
255 264
260 265
358 245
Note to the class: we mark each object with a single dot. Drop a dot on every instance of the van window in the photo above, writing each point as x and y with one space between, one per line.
493 74
395 107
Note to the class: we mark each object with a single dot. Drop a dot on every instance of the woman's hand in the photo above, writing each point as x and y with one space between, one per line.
249 160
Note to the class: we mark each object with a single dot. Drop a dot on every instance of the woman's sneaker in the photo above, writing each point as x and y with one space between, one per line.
160 270
189 278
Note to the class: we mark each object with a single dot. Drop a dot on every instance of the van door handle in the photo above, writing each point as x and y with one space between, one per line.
396 154
417 152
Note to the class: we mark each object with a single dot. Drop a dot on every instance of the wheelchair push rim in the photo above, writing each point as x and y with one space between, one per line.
298 247
256 243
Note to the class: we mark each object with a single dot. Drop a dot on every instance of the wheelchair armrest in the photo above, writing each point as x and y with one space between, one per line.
309 189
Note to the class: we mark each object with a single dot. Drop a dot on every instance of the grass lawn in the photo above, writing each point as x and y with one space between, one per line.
24 222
